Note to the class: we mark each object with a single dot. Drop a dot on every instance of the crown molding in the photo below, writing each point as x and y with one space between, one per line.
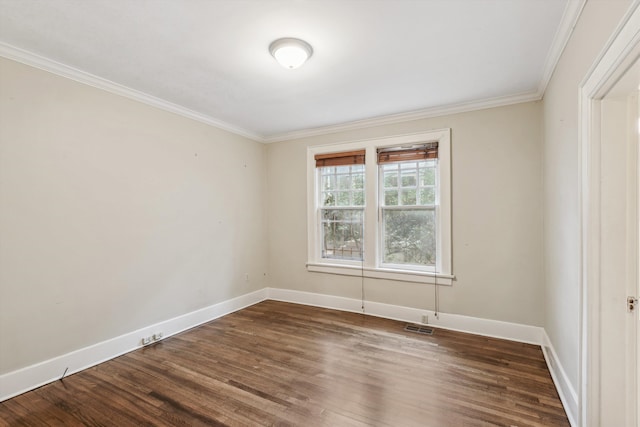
570 16
569 19
34 60
408 116
568 22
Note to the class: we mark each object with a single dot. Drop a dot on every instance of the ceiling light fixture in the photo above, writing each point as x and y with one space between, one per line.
290 53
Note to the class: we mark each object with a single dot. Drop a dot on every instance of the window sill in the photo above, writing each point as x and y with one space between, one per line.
383 273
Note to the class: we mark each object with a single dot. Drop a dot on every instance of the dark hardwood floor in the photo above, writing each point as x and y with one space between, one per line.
279 364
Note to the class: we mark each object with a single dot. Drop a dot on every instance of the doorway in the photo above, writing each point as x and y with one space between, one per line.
610 190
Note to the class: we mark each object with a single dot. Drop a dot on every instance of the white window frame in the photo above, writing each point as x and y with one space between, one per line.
371 265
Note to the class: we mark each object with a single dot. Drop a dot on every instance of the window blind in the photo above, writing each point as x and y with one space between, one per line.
401 154
340 159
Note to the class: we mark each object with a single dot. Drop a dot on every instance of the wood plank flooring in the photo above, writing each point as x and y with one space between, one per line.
280 364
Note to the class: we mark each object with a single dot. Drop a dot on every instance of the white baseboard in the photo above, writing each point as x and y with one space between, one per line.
31 377
490 328
567 393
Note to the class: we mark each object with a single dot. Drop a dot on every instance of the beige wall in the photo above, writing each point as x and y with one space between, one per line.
561 179
497 221
115 215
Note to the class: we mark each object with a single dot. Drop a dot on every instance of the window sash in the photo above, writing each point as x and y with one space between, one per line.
421 243
342 236
355 231
424 189
382 233
333 193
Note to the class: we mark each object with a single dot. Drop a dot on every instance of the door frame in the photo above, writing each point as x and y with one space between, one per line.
622 50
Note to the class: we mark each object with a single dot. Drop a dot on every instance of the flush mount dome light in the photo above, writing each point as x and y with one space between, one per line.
291 53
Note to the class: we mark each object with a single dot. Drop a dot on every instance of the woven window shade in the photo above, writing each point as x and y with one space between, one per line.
340 159
401 154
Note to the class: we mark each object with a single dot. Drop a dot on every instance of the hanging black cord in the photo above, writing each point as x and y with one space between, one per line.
362 279
436 289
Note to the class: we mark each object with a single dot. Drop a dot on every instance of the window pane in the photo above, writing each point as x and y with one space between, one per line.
409 178
427 196
342 233
328 182
357 181
409 237
344 182
391 198
343 198
358 198
427 176
407 165
328 170
390 179
408 197
328 199
342 169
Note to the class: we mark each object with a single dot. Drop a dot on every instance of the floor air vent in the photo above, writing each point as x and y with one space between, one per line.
419 329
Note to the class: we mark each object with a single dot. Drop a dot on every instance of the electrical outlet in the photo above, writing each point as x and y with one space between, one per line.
425 319
146 340
157 336
246 277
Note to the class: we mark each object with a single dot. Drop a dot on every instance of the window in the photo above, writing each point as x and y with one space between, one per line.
407 203
382 208
341 204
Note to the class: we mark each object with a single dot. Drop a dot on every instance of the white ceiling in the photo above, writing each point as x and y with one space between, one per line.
372 58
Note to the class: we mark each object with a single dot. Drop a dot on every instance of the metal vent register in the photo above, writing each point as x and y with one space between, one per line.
419 329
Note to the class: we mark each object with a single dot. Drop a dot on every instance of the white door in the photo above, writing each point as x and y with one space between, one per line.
636 295
618 256
636 290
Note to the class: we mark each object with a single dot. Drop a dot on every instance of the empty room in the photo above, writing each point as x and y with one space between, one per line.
320 213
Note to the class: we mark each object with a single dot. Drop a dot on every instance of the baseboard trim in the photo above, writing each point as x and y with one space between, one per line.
490 328
567 393
34 376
